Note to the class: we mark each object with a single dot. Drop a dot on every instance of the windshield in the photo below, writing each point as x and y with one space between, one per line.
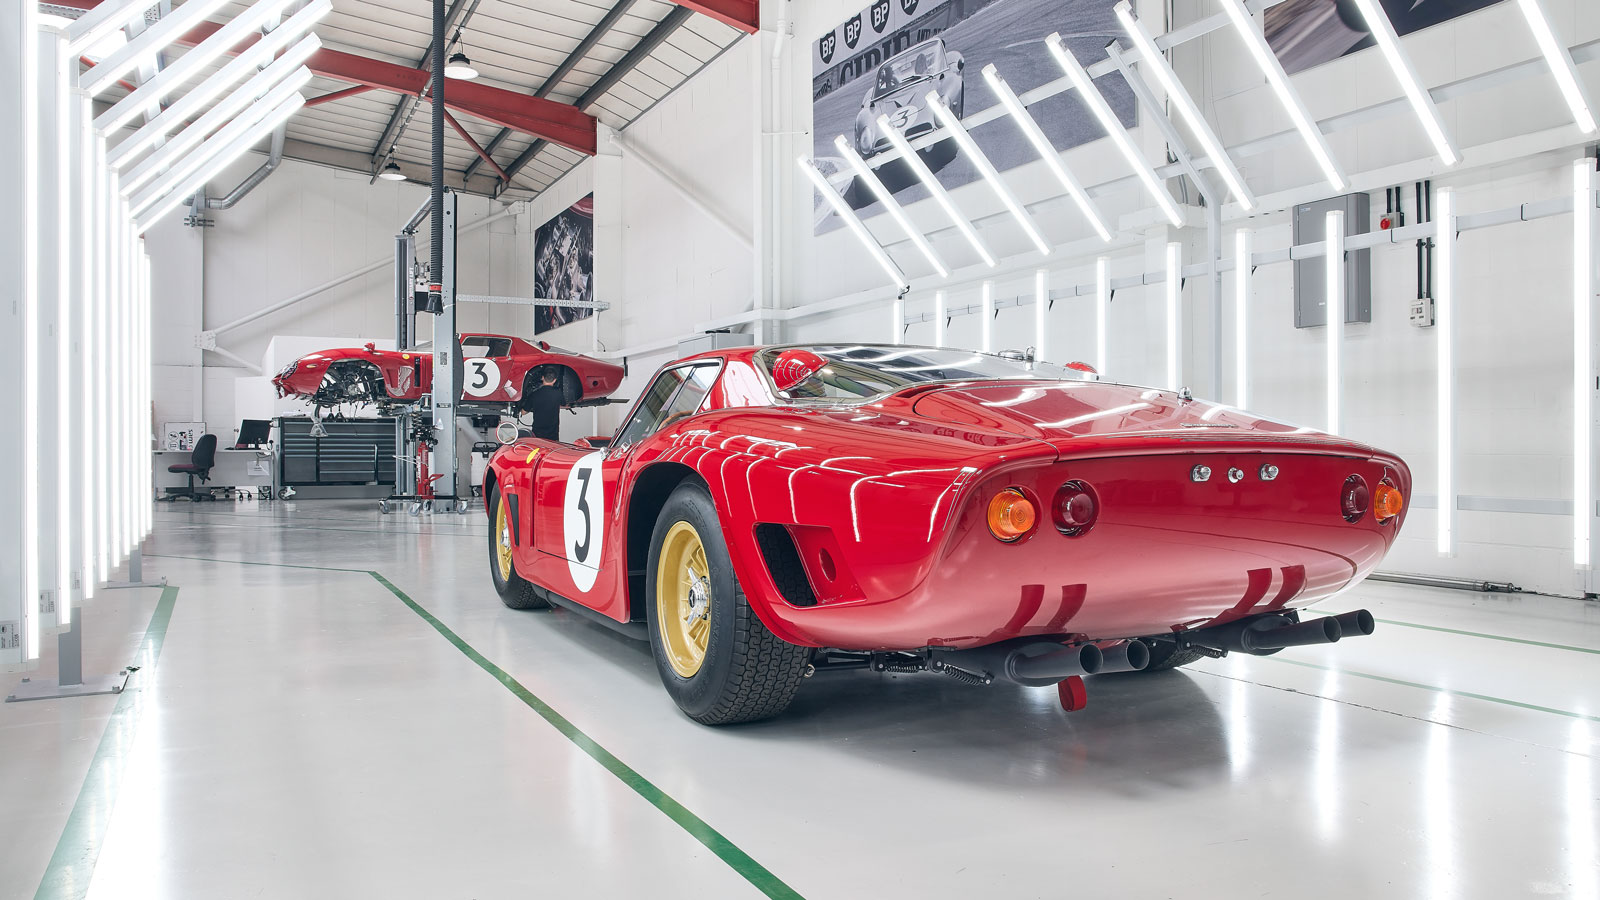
857 372
923 62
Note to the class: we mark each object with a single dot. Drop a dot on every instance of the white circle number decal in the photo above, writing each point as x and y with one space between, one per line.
482 376
583 520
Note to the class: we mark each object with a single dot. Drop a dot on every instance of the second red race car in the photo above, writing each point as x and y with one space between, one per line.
764 514
497 372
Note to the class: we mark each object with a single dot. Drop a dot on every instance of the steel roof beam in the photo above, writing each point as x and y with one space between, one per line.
548 120
601 28
744 15
402 110
646 46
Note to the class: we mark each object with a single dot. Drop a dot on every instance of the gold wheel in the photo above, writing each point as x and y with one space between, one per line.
683 599
502 547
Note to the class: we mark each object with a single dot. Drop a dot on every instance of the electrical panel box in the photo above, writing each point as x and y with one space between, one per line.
714 340
1310 278
1422 312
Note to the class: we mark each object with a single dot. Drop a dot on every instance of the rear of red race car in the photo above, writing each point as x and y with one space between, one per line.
1159 521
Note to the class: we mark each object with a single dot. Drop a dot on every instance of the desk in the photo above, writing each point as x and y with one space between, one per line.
233 468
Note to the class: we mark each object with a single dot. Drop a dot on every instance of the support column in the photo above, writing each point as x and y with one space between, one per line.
609 284
446 356
777 145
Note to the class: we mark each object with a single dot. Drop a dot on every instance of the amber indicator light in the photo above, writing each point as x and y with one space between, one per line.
1011 515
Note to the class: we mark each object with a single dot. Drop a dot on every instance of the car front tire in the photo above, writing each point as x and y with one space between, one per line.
514 591
717 660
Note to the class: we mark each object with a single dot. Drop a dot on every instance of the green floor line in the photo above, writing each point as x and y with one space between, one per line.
741 862
755 873
1434 688
72 865
1476 634
247 562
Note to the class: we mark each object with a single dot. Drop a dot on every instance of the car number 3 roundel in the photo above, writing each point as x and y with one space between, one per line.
583 520
482 376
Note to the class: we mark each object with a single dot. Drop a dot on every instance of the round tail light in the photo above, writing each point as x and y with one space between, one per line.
1075 508
1387 501
1011 515
1354 498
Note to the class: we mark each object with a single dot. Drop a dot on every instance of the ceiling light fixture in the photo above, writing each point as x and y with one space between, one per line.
391 172
868 177
459 66
1097 104
940 195
1421 101
1560 60
985 168
853 222
1279 79
1179 97
1041 143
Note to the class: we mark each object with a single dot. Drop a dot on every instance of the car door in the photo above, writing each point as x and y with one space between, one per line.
486 370
579 527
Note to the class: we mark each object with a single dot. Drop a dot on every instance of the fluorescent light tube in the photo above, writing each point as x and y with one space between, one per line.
1047 151
985 168
1444 327
1561 65
217 151
1174 290
1583 291
988 317
179 71
28 213
870 179
1097 104
940 195
853 222
1102 312
1333 288
1421 101
1041 302
1243 247
249 62
149 42
109 17
1179 97
241 103
1292 103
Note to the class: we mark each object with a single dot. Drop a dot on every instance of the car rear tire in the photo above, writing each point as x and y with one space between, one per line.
514 591
722 666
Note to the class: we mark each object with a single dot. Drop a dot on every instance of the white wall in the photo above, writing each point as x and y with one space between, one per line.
1514 391
304 226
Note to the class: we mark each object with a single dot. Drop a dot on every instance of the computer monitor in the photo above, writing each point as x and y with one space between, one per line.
253 433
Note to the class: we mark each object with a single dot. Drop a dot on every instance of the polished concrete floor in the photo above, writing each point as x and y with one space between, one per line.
383 727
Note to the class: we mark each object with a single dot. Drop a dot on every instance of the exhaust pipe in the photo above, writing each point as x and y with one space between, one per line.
1126 656
1268 634
1045 669
1356 623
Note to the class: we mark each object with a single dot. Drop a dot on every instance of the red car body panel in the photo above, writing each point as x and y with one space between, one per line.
408 374
886 504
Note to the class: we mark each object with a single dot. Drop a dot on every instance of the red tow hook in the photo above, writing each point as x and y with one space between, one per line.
1074 696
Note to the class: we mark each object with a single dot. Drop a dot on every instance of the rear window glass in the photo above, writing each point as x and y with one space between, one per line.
474 347
857 372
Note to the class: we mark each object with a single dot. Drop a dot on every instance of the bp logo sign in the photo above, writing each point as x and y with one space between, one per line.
880 16
852 32
826 46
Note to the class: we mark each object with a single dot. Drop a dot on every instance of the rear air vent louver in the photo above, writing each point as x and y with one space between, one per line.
783 561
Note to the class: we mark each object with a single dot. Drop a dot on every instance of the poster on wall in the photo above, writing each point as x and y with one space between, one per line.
1306 33
563 265
886 59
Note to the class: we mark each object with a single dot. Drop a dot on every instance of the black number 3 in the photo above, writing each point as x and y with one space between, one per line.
581 550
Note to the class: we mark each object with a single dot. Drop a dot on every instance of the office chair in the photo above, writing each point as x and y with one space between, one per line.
199 466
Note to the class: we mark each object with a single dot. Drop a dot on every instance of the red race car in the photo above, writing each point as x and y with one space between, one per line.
765 513
497 370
